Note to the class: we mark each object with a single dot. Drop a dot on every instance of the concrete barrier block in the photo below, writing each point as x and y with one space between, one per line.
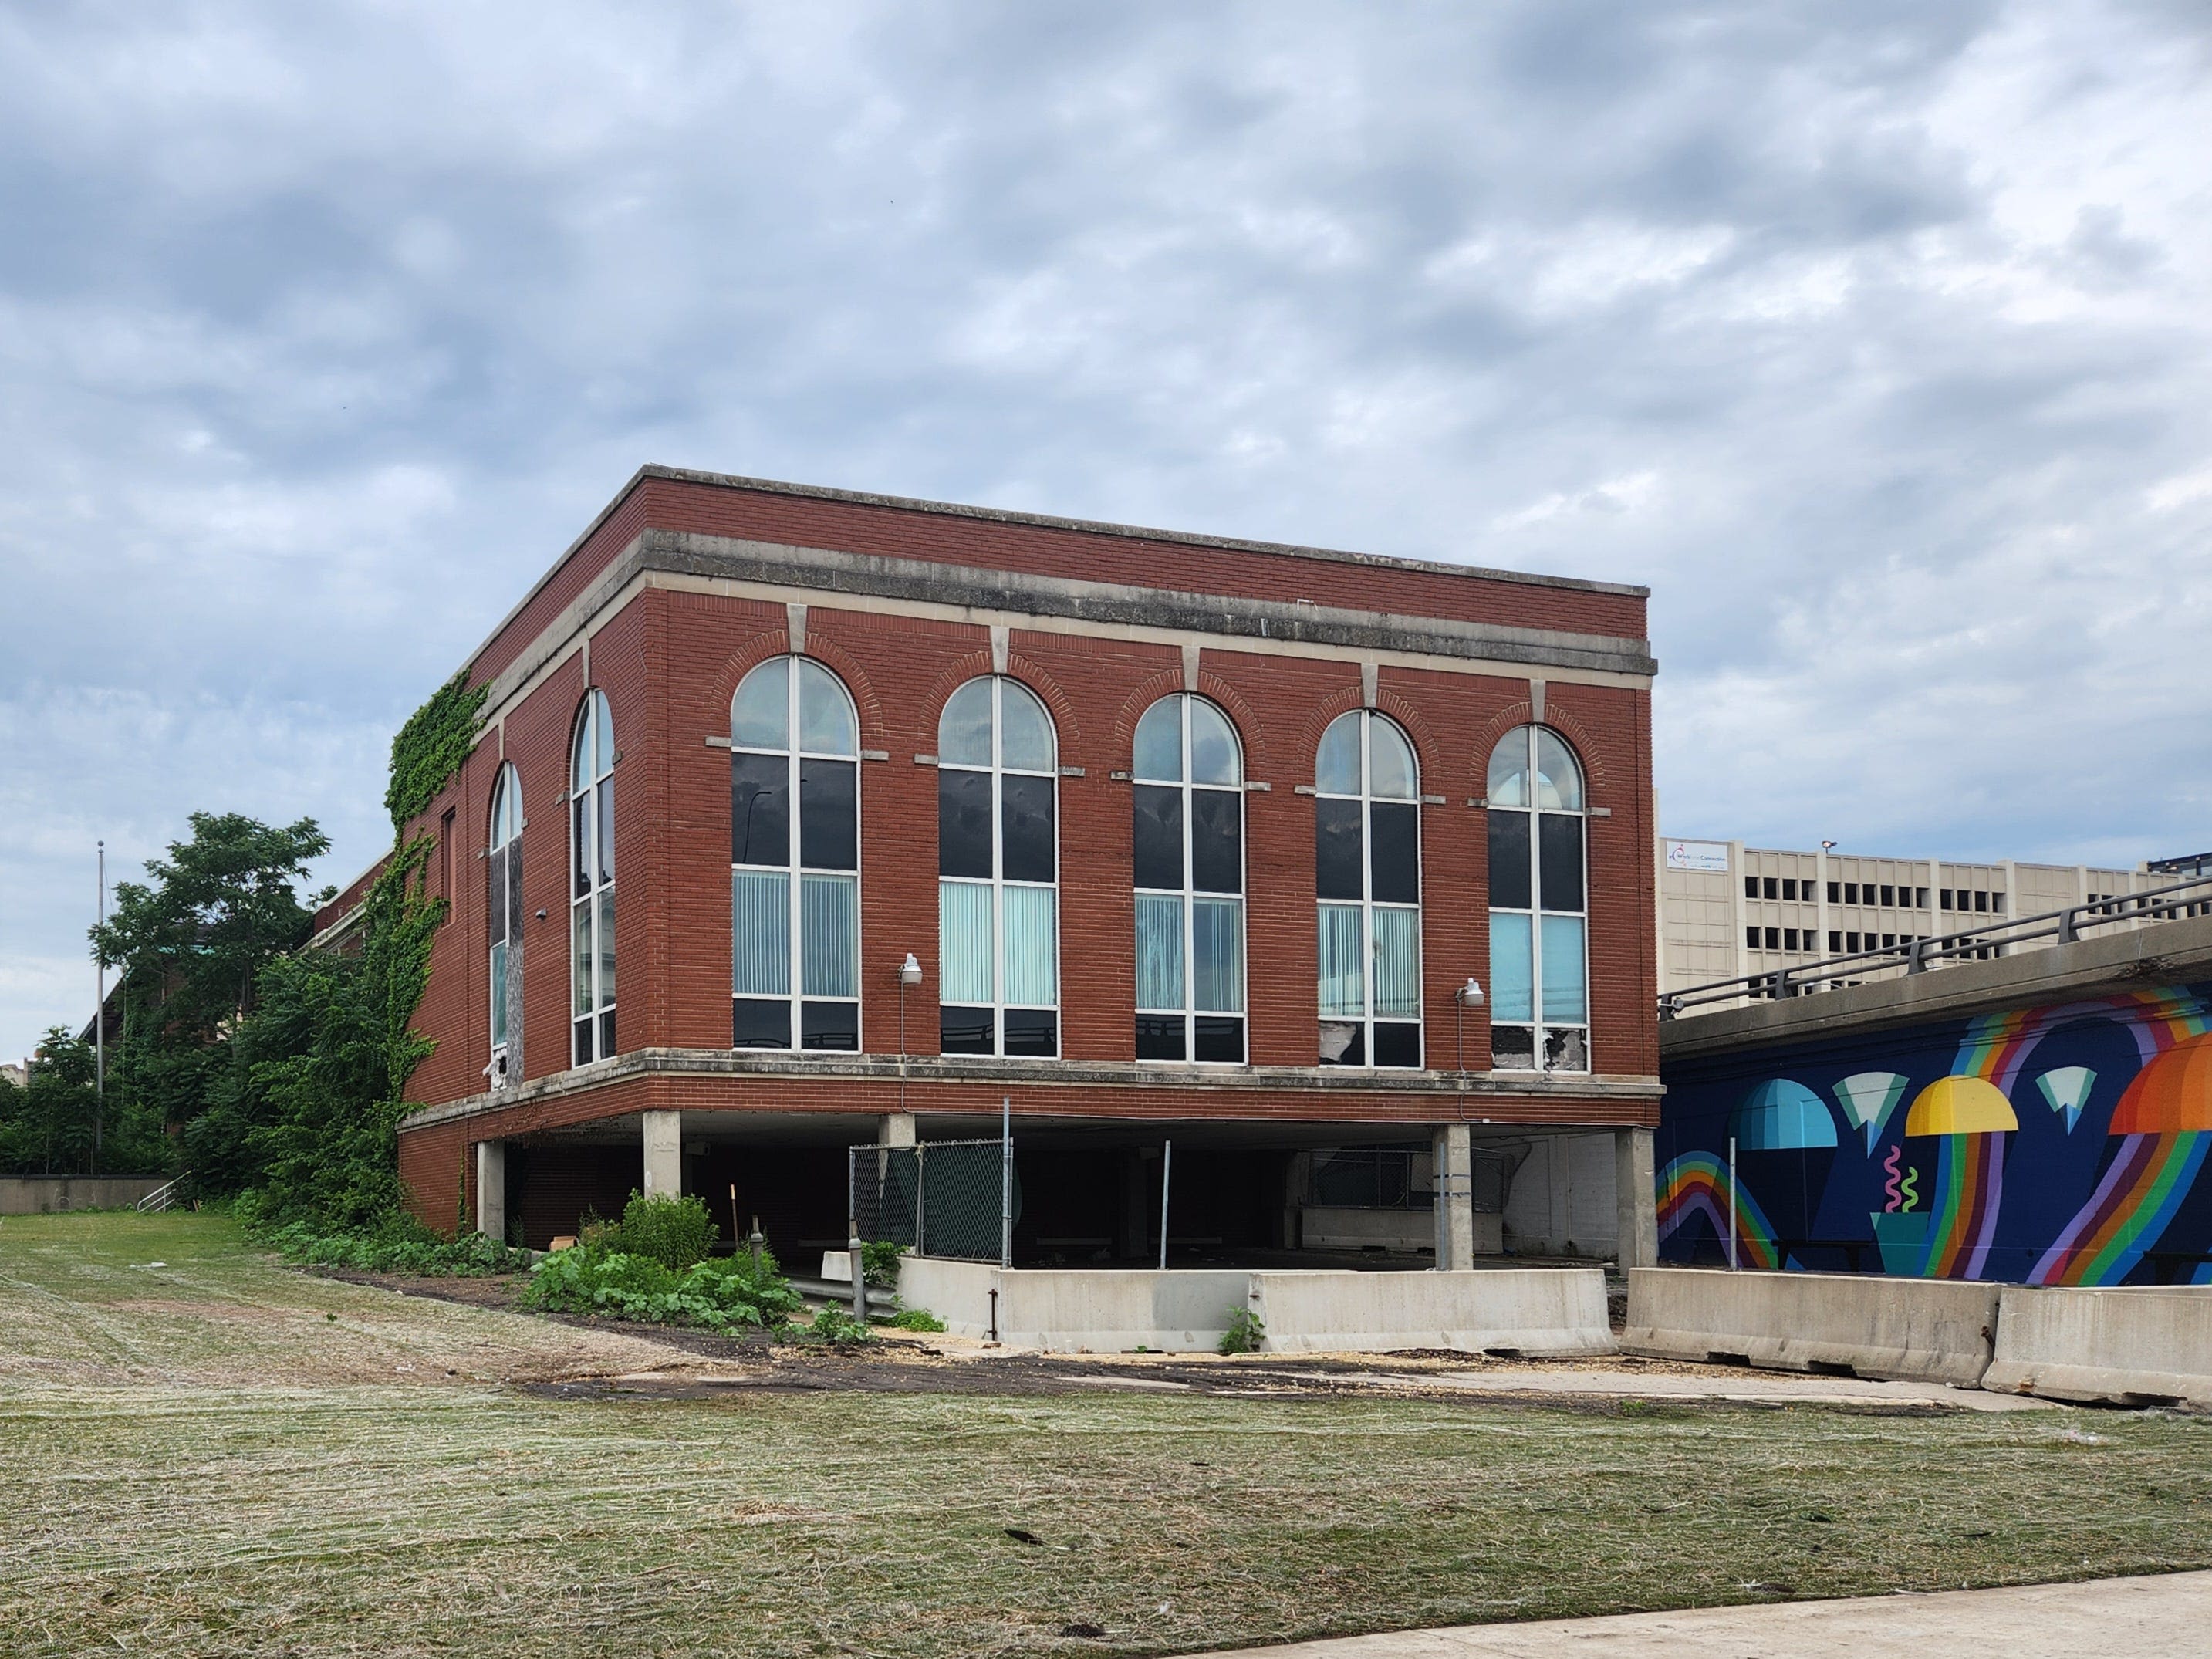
1929 1330
1528 1310
1077 1310
2128 1345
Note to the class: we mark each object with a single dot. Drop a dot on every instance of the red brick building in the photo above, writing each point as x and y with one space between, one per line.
1173 835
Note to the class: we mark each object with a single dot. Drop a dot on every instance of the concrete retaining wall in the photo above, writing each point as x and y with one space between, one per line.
2129 1346
46 1194
1933 1330
1532 1310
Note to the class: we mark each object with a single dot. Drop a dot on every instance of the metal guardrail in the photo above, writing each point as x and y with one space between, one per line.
2192 897
162 1196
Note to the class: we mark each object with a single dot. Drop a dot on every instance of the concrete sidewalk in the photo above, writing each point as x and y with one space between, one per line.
2167 1617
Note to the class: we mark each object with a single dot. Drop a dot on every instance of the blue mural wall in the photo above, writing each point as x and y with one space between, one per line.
2058 1145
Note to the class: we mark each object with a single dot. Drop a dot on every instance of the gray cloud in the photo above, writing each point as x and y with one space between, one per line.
1874 338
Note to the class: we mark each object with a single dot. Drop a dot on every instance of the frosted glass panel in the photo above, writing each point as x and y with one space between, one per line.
1511 994
1213 745
1032 918
760 933
1217 949
963 942
607 941
1508 782
964 730
1025 730
760 714
1397 963
1565 999
1391 771
1343 963
1159 742
1159 950
580 971
825 713
1559 778
1336 769
830 925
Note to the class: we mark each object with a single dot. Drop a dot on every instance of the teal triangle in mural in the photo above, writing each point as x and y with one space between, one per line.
2067 1089
1869 1098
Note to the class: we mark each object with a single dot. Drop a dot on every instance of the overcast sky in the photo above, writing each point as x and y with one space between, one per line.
1876 339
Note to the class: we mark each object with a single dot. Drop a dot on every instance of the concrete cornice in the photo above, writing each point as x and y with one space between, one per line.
2166 952
1440 1086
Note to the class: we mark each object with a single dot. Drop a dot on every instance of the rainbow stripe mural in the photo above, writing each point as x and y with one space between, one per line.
2065 1144
1697 1184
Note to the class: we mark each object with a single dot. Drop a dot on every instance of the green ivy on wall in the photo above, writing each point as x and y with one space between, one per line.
431 748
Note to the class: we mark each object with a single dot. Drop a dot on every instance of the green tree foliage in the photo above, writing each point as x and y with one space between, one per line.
46 1126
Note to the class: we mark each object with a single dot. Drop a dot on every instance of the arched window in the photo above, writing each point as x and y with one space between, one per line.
503 919
1538 980
592 882
794 899
998 867
1367 878
1189 774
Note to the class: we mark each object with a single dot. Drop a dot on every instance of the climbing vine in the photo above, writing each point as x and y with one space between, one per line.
431 747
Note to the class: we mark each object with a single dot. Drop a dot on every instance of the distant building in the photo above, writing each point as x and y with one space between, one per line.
1726 910
19 1075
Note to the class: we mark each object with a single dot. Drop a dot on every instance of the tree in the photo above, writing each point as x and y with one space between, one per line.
192 943
47 1126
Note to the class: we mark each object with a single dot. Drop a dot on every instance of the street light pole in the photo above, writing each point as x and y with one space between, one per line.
100 1021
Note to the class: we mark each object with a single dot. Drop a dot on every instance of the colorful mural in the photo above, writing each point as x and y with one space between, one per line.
2061 1145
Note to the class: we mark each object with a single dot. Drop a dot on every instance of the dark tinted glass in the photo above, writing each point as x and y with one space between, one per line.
495 894
1219 1038
760 809
1509 860
1397 832
580 838
583 1042
606 1033
964 824
1159 1037
514 888
829 814
1217 842
1397 1045
757 1024
1343 1042
963 1030
1025 839
1032 1031
832 1025
1337 848
1559 854
1159 844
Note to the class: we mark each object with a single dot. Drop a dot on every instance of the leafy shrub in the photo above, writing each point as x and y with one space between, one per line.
1244 1334
674 1231
835 1325
915 1319
713 1296
879 1259
400 1244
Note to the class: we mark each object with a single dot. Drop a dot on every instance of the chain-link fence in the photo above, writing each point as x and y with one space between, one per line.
944 1198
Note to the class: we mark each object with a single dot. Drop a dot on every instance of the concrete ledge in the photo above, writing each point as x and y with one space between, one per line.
1929 1330
48 1194
1529 1310
2127 1347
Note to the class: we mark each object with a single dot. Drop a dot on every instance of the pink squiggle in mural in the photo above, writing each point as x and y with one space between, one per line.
1889 1187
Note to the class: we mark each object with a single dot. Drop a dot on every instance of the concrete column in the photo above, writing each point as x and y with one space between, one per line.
491 1189
895 1129
1635 1191
1455 1179
663 1154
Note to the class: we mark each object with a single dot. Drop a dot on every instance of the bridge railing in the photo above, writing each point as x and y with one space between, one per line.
2191 897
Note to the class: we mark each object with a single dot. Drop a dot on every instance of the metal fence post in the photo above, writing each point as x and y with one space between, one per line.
1006 1181
1167 1164
853 1244
920 1198
1731 1241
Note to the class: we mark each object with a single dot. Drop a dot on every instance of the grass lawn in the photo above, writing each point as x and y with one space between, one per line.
168 1488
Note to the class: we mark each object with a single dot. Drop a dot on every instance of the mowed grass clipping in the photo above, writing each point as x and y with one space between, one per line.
473 1517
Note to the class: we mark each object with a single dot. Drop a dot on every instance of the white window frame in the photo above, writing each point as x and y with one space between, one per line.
997 771
1368 904
505 803
792 755
593 717
1190 894
1535 811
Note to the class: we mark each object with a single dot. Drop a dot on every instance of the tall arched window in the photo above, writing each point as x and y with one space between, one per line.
1190 775
503 920
1538 980
794 899
592 882
997 866
1367 878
